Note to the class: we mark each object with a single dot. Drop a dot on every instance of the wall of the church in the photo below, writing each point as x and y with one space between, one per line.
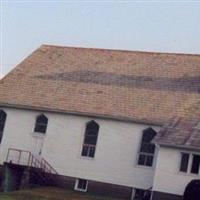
117 147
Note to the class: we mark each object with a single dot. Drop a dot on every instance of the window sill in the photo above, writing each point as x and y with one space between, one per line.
80 190
145 167
38 135
188 174
86 158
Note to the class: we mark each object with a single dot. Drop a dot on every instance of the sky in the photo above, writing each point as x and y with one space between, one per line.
159 26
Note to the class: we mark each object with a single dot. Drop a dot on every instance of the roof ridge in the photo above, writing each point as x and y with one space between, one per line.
120 50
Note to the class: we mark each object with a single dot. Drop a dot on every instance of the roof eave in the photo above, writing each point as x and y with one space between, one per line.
191 148
117 118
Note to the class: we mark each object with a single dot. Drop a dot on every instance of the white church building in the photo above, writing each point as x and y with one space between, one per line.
108 122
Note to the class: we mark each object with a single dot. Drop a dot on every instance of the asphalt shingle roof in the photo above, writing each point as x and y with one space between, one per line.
182 131
126 85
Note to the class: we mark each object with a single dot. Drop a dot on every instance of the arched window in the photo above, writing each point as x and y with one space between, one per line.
147 149
90 139
3 116
41 124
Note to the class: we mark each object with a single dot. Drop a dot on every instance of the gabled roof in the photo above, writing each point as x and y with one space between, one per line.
127 85
182 131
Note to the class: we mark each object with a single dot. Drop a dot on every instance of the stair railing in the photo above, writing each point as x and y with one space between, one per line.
26 158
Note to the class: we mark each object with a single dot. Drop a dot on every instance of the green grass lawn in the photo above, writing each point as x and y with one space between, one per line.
49 194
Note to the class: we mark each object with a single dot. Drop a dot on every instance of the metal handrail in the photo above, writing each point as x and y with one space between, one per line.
32 161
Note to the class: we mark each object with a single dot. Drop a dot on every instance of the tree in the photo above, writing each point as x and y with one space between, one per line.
192 190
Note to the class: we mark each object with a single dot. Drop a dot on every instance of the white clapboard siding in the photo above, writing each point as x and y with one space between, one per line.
116 151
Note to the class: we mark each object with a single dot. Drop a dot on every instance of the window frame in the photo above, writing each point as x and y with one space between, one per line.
192 165
89 151
77 184
190 161
87 145
180 163
146 154
39 124
3 123
146 159
138 193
